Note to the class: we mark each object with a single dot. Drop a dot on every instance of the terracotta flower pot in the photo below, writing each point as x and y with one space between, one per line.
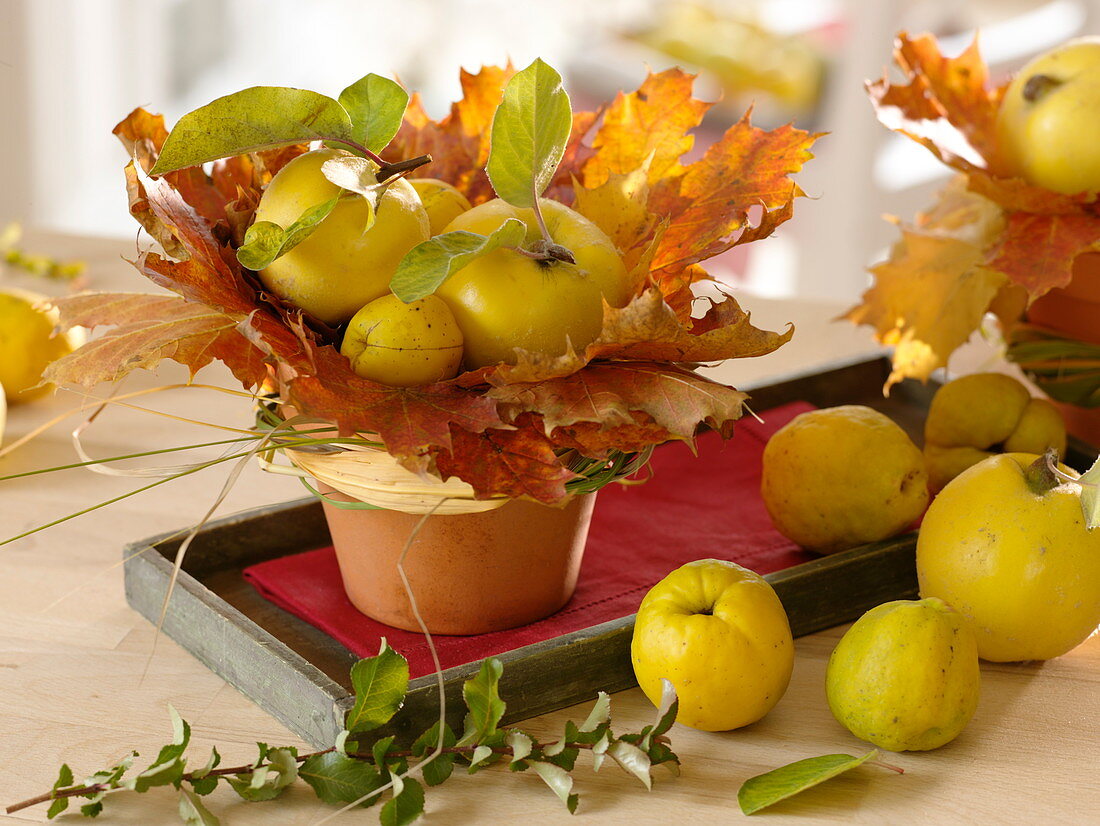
471 573
1073 312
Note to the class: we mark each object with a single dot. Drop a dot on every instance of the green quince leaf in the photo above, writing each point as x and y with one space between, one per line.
64 780
529 133
560 781
264 241
441 767
376 105
482 696
257 118
379 683
762 791
406 806
338 779
431 262
1090 495
193 812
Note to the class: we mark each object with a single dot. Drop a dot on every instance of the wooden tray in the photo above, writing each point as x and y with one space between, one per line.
300 674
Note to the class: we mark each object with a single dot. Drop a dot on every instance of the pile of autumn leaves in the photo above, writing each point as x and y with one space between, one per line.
503 429
992 243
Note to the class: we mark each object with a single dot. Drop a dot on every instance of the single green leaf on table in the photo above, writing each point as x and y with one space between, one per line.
482 696
632 759
379 683
201 781
765 789
193 812
64 780
265 241
520 744
1090 495
257 118
478 758
376 105
559 780
666 714
91 809
338 779
405 806
431 262
530 130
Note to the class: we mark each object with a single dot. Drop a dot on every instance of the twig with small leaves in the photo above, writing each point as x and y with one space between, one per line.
359 768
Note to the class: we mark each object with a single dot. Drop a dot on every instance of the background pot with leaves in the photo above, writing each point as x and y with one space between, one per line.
562 414
996 241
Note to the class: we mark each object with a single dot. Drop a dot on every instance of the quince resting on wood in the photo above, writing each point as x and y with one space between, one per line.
976 416
905 676
1006 544
28 343
720 635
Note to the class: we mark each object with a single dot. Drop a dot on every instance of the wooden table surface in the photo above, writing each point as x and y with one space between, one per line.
83 681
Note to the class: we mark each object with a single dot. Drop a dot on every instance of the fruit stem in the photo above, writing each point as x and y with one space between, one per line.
389 170
889 766
1041 474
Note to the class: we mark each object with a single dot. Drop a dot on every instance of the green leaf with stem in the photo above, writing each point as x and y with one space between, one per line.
769 788
265 241
406 806
376 106
261 117
440 768
529 133
431 262
380 684
193 812
339 779
559 780
482 695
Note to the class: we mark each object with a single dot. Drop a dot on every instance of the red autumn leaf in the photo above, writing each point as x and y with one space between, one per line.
148 329
595 440
610 393
521 462
1037 251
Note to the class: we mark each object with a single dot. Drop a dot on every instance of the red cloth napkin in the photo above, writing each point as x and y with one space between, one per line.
693 507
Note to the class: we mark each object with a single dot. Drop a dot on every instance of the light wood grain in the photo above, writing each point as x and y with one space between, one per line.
82 682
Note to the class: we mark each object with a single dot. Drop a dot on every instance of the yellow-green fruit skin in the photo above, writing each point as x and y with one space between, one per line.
404 345
842 476
338 268
905 676
28 344
1051 140
505 300
441 201
719 633
1021 566
977 416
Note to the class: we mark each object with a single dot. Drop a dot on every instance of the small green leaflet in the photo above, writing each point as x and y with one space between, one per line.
559 780
530 130
765 789
483 701
406 806
265 241
379 684
1090 495
441 767
64 780
376 105
193 812
431 262
257 118
338 779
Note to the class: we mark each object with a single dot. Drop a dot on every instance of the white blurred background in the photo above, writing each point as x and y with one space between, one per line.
71 69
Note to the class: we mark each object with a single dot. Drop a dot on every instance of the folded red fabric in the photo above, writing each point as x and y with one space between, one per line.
693 507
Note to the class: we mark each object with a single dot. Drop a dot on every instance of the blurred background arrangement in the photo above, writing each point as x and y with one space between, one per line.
71 69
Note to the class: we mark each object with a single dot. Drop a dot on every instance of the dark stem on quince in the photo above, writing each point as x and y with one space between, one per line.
1038 85
385 169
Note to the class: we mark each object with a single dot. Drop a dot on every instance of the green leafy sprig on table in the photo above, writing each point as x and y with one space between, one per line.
12 255
361 769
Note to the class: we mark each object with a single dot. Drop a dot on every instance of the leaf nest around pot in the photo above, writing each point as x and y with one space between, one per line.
543 427
991 244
